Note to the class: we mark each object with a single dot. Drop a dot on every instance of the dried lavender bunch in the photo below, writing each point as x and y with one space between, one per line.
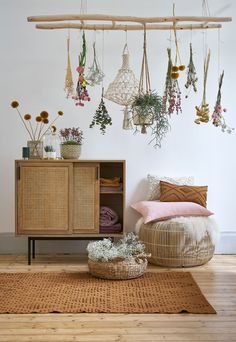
191 74
172 95
101 117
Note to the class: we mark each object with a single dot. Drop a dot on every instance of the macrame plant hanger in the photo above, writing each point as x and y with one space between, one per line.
124 88
69 85
144 81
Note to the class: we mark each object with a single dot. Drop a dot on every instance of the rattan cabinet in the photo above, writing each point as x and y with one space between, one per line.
63 197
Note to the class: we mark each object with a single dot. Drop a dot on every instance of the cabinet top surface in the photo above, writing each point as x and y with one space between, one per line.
69 161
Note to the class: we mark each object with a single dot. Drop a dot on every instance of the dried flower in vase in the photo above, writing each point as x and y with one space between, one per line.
81 88
41 120
171 100
191 74
101 117
218 119
202 111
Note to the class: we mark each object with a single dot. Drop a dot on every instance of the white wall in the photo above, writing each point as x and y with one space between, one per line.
32 70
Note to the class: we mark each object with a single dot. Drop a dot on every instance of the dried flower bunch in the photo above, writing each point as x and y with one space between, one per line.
218 119
42 122
81 88
191 74
126 248
171 100
175 68
101 117
202 111
71 136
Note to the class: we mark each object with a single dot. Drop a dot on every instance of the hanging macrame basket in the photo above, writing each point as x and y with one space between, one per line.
124 88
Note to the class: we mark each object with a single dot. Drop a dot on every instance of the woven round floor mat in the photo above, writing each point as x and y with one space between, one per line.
163 292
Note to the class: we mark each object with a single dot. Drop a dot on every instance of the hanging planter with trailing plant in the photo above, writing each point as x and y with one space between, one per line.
147 107
101 117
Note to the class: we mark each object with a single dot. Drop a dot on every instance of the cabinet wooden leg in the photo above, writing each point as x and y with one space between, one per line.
29 251
33 249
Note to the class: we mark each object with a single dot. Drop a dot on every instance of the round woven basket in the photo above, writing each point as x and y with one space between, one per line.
170 245
125 269
70 151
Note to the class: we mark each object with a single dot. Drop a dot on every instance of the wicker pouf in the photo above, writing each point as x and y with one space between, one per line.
171 244
125 269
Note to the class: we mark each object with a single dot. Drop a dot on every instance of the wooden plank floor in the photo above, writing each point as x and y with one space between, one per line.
217 280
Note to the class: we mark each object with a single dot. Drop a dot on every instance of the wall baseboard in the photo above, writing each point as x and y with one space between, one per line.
11 244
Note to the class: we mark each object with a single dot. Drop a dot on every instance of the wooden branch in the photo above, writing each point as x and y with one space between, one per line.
126 27
106 17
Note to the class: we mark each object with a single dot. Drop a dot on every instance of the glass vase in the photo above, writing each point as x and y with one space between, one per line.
35 149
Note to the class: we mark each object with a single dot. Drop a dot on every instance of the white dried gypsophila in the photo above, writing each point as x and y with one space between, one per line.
105 250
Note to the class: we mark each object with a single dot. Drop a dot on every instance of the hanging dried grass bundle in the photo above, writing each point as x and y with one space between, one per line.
69 85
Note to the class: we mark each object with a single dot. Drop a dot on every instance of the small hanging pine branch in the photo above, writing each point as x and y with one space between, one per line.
101 117
191 74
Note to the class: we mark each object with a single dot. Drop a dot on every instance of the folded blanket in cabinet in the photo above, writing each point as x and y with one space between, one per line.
115 181
108 217
116 228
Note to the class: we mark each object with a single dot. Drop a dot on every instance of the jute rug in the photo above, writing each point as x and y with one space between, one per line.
165 292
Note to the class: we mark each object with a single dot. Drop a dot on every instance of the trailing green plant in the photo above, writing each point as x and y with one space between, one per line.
151 105
101 117
126 248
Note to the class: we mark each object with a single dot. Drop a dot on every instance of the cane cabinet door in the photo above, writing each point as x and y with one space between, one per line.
86 198
43 196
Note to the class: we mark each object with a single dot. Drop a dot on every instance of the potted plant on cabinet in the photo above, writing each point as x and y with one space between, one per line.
71 142
125 259
50 152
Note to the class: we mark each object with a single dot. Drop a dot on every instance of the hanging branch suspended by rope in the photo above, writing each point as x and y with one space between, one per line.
218 119
81 88
191 74
69 85
203 111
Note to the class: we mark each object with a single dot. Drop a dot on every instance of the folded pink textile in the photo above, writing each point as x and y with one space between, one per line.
116 228
108 217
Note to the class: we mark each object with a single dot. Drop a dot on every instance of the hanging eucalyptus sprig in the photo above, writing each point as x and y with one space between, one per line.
171 100
101 116
218 119
202 111
191 74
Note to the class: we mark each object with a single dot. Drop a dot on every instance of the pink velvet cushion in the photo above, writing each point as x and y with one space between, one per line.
160 211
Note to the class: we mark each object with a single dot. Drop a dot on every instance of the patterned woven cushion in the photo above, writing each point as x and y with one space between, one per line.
154 184
183 193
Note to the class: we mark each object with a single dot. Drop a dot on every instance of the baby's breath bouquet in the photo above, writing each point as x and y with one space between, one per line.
126 248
